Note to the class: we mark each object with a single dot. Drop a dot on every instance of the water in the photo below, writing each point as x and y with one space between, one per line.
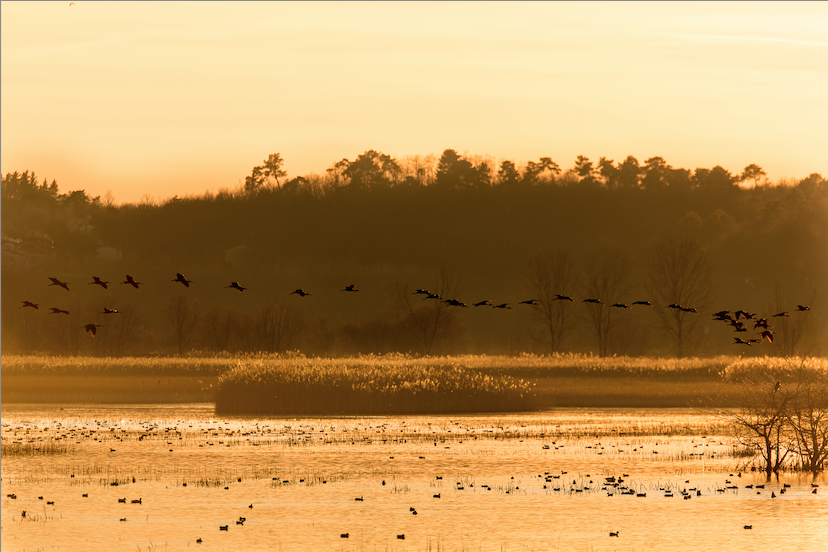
499 487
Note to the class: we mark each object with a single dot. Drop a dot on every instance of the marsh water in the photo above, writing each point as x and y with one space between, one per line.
564 479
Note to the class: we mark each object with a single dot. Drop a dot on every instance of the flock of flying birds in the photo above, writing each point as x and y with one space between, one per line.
760 324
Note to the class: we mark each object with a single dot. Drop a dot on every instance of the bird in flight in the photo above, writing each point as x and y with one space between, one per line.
777 385
503 306
109 311
351 287
485 303
131 281
92 328
533 302
98 281
559 297
620 305
803 308
56 310
594 301
56 282
644 303
300 292
180 278
767 334
432 296
740 341
455 303
238 286
784 314
30 304
420 291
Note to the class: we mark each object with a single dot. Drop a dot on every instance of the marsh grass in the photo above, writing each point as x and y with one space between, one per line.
35 449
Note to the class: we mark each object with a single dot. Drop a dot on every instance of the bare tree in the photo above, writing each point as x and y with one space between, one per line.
277 326
607 279
549 276
680 274
123 330
431 320
761 419
808 418
182 314
218 330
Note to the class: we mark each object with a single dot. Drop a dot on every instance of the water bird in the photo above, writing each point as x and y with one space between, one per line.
643 303
180 278
619 305
199 541
432 296
690 309
30 304
748 526
344 535
673 306
98 281
485 303
746 314
455 303
420 291
784 314
109 311
56 310
137 501
92 328
236 285
740 341
56 282
777 386
224 527
721 314
798 307
350 287
767 334
761 323
401 537
122 500
131 281
594 301
559 297
503 306
613 533
300 292
533 302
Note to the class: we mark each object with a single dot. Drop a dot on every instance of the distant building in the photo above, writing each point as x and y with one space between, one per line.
28 254
235 254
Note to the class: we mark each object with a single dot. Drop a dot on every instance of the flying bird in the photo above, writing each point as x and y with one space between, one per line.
533 302
131 281
740 341
109 311
803 308
180 278
722 314
351 287
98 281
485 303
761 323
767 334
559 297
594 301
30 304
56 310
777 386
619 305
502 306
91 328
691 309
455 303
236 285
300 292
746 314
432 296
56 282
784 314
420 291
644 303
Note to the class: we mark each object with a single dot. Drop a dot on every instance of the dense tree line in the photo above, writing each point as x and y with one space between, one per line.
485 229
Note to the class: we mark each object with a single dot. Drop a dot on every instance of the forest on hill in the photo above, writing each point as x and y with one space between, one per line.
463 227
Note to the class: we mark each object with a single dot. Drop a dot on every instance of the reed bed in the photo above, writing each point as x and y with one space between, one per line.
34 449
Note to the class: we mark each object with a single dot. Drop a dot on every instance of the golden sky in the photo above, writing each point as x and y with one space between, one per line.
166 98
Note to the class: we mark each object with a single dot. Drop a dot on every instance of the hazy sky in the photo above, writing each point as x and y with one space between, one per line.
166 98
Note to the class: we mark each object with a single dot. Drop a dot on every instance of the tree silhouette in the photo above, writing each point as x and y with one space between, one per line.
550 275
752 172
606 278
680 273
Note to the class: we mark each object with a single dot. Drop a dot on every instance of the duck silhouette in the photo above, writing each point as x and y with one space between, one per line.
109 311
300 292
559 297
56 310
502 306
798 307
643 303
98 281
92 328
350 287
131 281
30 304
485 303
56 282
237 286
533 302
180 278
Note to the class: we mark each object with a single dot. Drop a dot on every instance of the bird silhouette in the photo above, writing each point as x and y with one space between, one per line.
690 309
56 282
99 282
745 314
433 296
777 385
803 308
644 303
784 314
420 291
109 311
485 303
30 304
455 303
767 334
740 341
503 306
673 306
761 323
722 314
350 287
559 297
236 285
92 328
131 281
300 292
533 302
56 310
180 278
593 301
619 305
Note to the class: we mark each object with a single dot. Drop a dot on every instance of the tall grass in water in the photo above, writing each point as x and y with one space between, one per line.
392 384
34 449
